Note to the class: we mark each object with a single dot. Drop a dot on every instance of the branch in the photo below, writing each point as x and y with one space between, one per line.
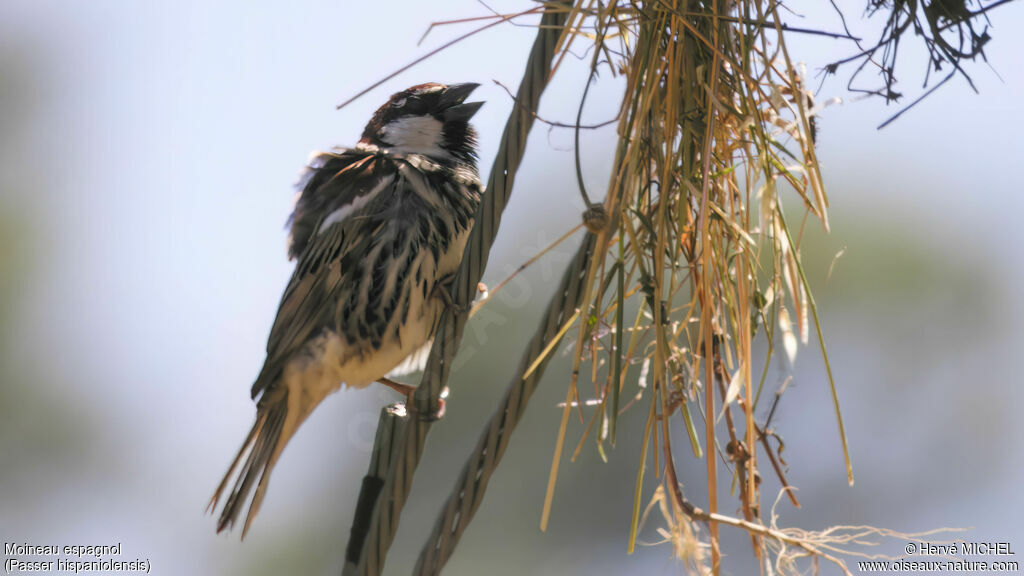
400 438
468 492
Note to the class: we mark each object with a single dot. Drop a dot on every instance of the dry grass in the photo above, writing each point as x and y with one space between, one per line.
699 252
697 260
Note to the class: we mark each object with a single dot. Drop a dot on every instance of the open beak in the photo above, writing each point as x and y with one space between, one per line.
456 109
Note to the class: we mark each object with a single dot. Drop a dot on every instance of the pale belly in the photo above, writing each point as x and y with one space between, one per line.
361 370
331 360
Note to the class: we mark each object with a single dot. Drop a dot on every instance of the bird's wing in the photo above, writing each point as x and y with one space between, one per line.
327 237
331 181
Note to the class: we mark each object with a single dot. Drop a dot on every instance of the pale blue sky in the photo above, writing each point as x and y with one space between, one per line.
155 148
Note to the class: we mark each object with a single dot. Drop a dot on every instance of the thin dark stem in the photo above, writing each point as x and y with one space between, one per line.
554 123
917 101
579 113
432 53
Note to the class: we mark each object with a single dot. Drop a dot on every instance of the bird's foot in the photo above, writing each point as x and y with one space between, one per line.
408 391
403 389
441 407
443 290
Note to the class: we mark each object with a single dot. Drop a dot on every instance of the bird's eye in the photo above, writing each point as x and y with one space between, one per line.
415 105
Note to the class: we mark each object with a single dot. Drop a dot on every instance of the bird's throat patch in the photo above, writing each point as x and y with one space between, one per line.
415 135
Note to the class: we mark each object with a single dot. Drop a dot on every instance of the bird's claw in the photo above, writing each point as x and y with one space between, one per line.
410 406
442 290
441 407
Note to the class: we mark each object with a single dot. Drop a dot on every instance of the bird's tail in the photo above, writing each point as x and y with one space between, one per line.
273 428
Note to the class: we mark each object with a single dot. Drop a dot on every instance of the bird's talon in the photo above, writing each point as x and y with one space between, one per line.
442 290
441 407
406 390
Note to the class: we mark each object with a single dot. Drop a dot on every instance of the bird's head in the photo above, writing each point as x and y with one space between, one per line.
429 119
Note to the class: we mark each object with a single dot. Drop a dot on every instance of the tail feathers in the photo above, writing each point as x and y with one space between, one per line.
261 449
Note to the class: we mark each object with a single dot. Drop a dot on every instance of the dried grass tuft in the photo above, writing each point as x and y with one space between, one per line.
696 257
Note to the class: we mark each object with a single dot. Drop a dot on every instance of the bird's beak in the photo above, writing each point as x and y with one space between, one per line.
456 109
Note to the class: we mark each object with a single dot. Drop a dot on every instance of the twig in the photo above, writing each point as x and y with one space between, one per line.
555 124
492 291
917 100
432 53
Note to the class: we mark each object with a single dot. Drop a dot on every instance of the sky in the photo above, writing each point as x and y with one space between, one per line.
147 154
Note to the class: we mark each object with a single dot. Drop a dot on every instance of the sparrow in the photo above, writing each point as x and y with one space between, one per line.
377 233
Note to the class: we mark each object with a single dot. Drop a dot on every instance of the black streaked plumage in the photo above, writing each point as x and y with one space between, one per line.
375 228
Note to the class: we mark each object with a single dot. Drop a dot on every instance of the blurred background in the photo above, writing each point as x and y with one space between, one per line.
147 153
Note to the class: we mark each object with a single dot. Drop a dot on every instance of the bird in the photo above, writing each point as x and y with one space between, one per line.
377 233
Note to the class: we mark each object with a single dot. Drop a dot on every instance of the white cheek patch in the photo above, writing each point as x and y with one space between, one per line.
415 135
